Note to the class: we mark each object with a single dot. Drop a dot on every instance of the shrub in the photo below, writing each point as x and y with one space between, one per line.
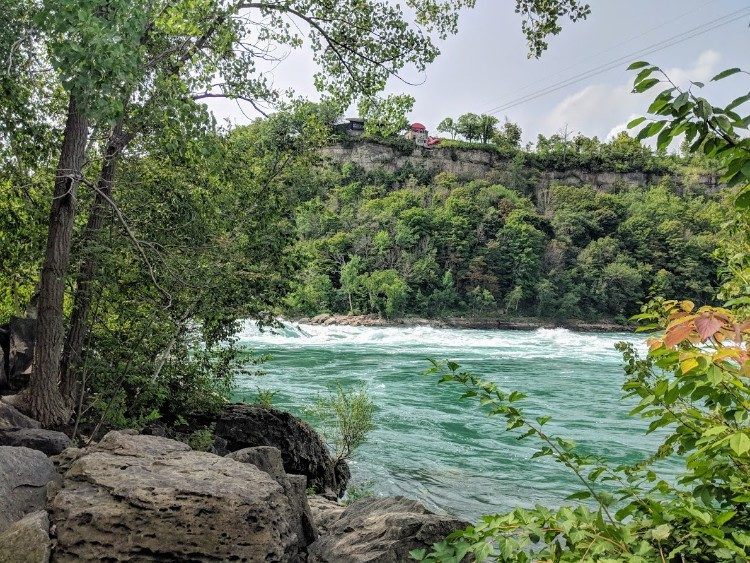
202 440
265 397
346 418
692 386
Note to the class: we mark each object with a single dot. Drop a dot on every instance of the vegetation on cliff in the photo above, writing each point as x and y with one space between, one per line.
408 243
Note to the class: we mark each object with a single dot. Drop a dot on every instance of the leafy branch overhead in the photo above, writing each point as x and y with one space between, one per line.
720 132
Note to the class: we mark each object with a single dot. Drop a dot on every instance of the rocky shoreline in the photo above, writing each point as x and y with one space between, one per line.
266 491
485 323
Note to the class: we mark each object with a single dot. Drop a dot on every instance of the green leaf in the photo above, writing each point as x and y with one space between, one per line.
725 73
637 64
738 102
660 533
740 443
742 201
703 109
664 138
635 122
651 130
645 85
643 74
418 554
580 495
680 101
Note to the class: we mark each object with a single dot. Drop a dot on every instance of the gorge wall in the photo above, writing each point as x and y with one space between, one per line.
470 164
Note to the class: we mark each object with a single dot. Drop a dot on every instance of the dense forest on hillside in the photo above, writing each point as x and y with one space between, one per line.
408 243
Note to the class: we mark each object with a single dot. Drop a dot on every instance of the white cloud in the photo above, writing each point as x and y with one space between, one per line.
604 110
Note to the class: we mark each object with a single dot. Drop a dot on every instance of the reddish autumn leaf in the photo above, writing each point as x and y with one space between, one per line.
739 330
707 325
677 334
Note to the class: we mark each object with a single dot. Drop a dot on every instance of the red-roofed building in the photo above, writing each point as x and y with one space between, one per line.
418 133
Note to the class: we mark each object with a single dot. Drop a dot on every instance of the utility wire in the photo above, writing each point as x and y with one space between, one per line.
580 61
659 46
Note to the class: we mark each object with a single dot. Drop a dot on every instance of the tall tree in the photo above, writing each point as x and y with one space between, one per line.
447 126
135 61
469 126
487 125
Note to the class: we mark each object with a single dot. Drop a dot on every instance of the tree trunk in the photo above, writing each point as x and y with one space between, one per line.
89 264
45 400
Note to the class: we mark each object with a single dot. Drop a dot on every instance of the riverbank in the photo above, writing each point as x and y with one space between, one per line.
483 323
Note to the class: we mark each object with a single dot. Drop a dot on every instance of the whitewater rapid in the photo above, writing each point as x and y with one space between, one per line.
430 445
542 343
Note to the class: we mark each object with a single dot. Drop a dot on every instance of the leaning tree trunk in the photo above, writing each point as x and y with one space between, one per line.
46 403
84 288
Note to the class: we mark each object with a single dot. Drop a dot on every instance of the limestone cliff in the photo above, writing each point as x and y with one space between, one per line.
470 164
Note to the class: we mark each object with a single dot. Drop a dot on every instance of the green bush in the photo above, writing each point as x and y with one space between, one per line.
345 419
693 387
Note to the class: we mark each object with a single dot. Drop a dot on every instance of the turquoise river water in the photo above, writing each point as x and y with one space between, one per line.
430 446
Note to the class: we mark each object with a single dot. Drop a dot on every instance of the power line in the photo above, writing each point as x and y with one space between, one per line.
611 48
659 46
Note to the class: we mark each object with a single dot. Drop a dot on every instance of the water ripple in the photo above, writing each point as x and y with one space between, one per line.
430 446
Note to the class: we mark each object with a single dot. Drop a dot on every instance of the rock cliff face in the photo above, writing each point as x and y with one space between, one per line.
473 164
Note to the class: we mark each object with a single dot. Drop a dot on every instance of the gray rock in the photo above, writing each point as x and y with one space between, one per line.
11 417
27 541
268 459
302 450
50 442
146 498
473 163
325 512
24 475
382 530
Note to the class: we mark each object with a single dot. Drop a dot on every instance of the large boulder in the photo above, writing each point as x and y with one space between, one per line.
146 498
49 442
11 417
302 450
381 530
268 459
27 541
24 475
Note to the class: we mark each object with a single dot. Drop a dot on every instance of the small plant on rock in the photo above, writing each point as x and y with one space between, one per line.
202 440
346 418
265 397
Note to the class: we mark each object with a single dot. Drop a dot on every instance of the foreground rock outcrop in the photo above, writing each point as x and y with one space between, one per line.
24 477
147 498
376 530
302 450
27 541
268 459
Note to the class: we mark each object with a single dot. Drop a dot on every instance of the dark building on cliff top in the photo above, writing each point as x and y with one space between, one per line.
354 126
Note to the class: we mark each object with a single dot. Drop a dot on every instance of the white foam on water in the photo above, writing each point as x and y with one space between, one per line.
539 343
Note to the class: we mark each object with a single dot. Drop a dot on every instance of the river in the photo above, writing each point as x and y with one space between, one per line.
430 446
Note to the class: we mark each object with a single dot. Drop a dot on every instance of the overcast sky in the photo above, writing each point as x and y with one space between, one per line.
484 67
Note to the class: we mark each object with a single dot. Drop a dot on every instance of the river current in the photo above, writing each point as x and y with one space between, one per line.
429 445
